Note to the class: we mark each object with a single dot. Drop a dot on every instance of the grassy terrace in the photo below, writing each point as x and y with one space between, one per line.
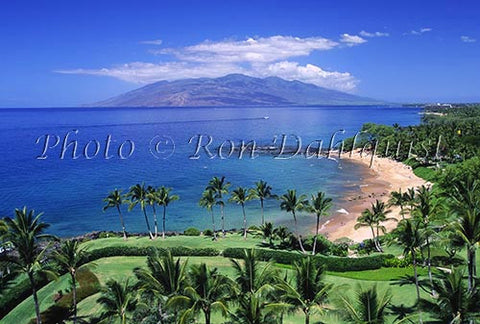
119 268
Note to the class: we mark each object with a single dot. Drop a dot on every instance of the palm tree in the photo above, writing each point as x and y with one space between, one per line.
465 199
153 200
373 218
250 274
240 196
380 212
164 278
319 206
454 303
397 198
426 210
261 191
408 235
138 195
117 300
411 198
207 290
25 232
255 285
267 232
219 188
207 201
69 258
309 292
282 233
115 199
257 307
367 219
164 199
366 307
292 203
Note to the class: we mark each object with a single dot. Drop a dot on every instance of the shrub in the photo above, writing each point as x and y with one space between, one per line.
208 232
397 263
365 247
192 231
88 286
331 263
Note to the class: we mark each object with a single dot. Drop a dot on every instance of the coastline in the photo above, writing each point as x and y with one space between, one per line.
378 182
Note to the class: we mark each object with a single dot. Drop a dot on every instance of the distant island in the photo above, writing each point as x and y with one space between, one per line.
233 90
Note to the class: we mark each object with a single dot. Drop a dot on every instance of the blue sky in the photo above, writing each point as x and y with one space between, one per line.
66 53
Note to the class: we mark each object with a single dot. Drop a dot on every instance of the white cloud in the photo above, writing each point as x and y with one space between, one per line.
310 73
375 34
259 57
263 49
352 40
467 39
144 73
419 32
152 42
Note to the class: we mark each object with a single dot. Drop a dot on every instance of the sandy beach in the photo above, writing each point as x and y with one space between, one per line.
385 176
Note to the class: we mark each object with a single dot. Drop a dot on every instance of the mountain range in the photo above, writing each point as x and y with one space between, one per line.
233 90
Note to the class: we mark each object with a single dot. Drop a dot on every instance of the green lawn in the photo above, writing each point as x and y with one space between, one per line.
25 310
232 240
383 274
120 268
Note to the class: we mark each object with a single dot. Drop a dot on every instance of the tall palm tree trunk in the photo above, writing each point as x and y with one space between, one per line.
263 215
417 286
471 267
374 239
299 237
148 224
416 276
155 220
244 223
74 296
35 298
223 220
379 245
307 318
316 235
213 226
429 262
207 317
163 221
122 222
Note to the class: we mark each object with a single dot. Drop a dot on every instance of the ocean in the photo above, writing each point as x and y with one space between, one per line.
64 161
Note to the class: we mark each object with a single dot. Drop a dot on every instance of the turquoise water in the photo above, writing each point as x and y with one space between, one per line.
70 190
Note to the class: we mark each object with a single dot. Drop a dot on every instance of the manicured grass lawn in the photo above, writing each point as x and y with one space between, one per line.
232 240
383 274
25 310
120 268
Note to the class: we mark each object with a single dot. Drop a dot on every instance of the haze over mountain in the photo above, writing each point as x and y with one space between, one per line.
233 90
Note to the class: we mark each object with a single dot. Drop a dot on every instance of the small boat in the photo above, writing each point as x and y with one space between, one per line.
266 117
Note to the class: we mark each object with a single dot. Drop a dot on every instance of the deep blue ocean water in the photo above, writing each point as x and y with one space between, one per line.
70 191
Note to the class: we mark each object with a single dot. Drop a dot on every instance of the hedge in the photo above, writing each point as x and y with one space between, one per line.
331 263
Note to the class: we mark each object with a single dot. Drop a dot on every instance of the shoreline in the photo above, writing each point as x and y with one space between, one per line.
385 176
